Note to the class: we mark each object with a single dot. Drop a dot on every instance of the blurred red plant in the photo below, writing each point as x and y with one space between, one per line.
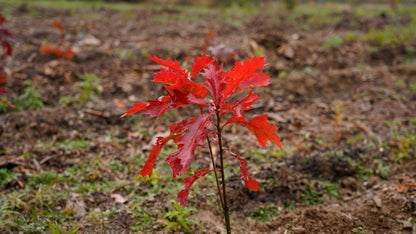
62 50
6 38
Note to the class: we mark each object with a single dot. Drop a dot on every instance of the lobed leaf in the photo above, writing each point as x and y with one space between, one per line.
137 107
251 184
215 83
194 136
263 130
176 131
244 76
148 167
158 107
166 76
182 91
168 63
201 63
189 181
244 104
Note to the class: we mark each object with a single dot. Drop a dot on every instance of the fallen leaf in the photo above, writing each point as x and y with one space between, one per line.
77 205
119 103
119 199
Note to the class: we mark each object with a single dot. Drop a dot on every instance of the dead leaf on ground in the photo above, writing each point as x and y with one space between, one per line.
77 205
119 199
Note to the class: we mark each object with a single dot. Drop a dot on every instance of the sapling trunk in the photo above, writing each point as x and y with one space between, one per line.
224 190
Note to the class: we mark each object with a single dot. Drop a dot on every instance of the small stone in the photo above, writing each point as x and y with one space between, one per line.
372 181
350 183
299 230
407 225
90 40
49 72
151 197
287 51
378 202
54 63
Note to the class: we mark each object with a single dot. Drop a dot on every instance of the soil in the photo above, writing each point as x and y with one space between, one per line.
333 106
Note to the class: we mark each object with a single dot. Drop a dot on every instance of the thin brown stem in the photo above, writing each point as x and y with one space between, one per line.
224 191
215 172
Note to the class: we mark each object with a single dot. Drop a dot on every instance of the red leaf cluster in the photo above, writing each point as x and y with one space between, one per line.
61 50
65 53
211 97
58 25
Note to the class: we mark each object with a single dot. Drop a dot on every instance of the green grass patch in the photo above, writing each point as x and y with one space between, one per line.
333 42
7 176
276 153
404 147
74 144
178 218
265 214
30 98
89 88
391 34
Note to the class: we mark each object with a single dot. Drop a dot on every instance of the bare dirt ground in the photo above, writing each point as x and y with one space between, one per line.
346 116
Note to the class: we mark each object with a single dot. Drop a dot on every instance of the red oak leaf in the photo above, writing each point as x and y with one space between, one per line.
166 76
168 63
201 63
152 108
3 77
244 104
2 19
177 82
58 25
251 184
182 90
158 107
176 131
45 49
215 83
68 54
187 87
256 80
137 107
189 181
6 38
263 130
60 53
244 76
148 167
194 136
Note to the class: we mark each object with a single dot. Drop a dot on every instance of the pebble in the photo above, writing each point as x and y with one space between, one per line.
407 225
378 202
